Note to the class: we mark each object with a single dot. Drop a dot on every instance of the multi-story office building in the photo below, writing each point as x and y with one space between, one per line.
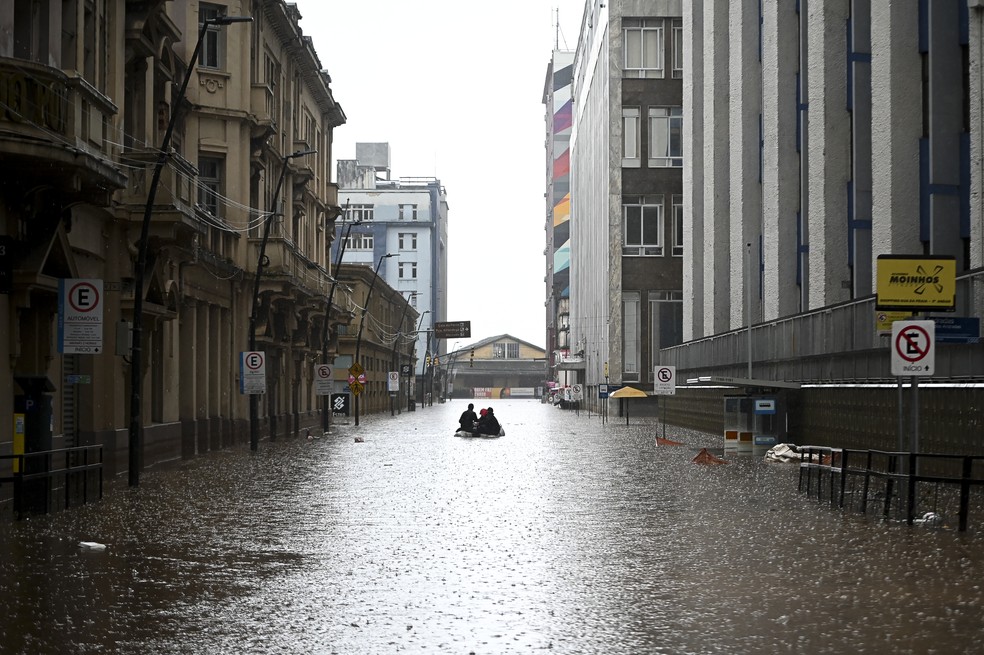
626 190
822 136
88 91
558 102
406 218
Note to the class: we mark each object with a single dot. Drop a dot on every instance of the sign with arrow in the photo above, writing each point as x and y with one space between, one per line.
913 348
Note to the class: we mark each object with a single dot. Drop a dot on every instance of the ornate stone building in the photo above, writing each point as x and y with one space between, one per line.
88 89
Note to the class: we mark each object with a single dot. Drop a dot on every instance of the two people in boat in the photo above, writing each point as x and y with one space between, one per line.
484 424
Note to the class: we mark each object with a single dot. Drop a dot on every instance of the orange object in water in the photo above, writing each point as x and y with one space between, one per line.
704 457
660 441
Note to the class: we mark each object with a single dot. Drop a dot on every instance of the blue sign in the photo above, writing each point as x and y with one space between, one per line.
957 329
603 391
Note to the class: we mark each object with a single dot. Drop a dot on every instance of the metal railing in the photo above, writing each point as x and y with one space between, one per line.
921 487
39 468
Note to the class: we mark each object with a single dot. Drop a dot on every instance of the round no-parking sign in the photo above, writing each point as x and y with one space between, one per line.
913 347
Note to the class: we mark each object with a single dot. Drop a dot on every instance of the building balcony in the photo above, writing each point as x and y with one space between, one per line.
288 267
263 109
54 127
174 204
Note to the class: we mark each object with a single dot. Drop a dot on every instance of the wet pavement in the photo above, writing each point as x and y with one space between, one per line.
567 535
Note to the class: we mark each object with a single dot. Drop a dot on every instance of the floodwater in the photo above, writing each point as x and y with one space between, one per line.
567 535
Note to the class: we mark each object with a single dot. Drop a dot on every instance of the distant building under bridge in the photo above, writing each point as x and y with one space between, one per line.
498 367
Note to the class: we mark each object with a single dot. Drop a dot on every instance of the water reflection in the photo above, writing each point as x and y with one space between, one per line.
565 535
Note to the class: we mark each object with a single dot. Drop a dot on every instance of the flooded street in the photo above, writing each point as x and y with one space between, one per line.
567 535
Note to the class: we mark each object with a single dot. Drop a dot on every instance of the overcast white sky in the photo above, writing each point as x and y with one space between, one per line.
455 87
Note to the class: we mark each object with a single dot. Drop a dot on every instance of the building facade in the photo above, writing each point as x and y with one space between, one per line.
88 91
559 103
497 367
406 218
824 135
626 181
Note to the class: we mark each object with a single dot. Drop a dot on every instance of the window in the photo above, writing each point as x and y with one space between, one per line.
408 240
677 202
677 48
665 320
512 351
631 327
408 212
643 47
643 226
210 56
408 270
359 241
666 137
630 137
499 350
210 185
358 213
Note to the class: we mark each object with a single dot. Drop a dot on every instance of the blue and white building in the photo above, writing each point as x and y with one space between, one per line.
406 218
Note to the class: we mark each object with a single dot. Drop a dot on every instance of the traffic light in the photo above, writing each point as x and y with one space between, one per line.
427 359
437 360
471 359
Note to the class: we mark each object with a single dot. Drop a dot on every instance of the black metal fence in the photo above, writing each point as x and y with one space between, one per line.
42 479
925 488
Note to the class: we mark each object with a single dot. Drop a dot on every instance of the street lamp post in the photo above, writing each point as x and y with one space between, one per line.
136 347
417 334
326 413
396 342
254 401
362 323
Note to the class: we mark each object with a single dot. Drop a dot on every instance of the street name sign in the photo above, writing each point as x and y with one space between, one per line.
913 348
453 330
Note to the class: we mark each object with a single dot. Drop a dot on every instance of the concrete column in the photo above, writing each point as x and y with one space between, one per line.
781 162
716 221
976 91
829 153
693 170
201 375
746 191
896 99
188 347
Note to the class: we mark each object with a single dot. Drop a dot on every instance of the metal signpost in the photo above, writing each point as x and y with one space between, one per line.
664 384
913 354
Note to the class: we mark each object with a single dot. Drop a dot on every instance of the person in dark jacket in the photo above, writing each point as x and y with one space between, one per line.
468 419
489 424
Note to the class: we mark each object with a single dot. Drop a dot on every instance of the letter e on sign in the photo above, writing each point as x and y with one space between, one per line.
913 348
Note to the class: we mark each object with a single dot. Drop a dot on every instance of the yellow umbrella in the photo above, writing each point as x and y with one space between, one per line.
628 392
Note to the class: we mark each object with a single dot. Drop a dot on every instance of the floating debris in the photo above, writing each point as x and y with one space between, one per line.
660 441
92 545
704 457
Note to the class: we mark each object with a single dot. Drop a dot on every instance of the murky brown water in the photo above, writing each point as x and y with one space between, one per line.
567 535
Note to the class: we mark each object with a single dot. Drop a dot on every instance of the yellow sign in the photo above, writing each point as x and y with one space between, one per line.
356 369
884 320
915 283
356 388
